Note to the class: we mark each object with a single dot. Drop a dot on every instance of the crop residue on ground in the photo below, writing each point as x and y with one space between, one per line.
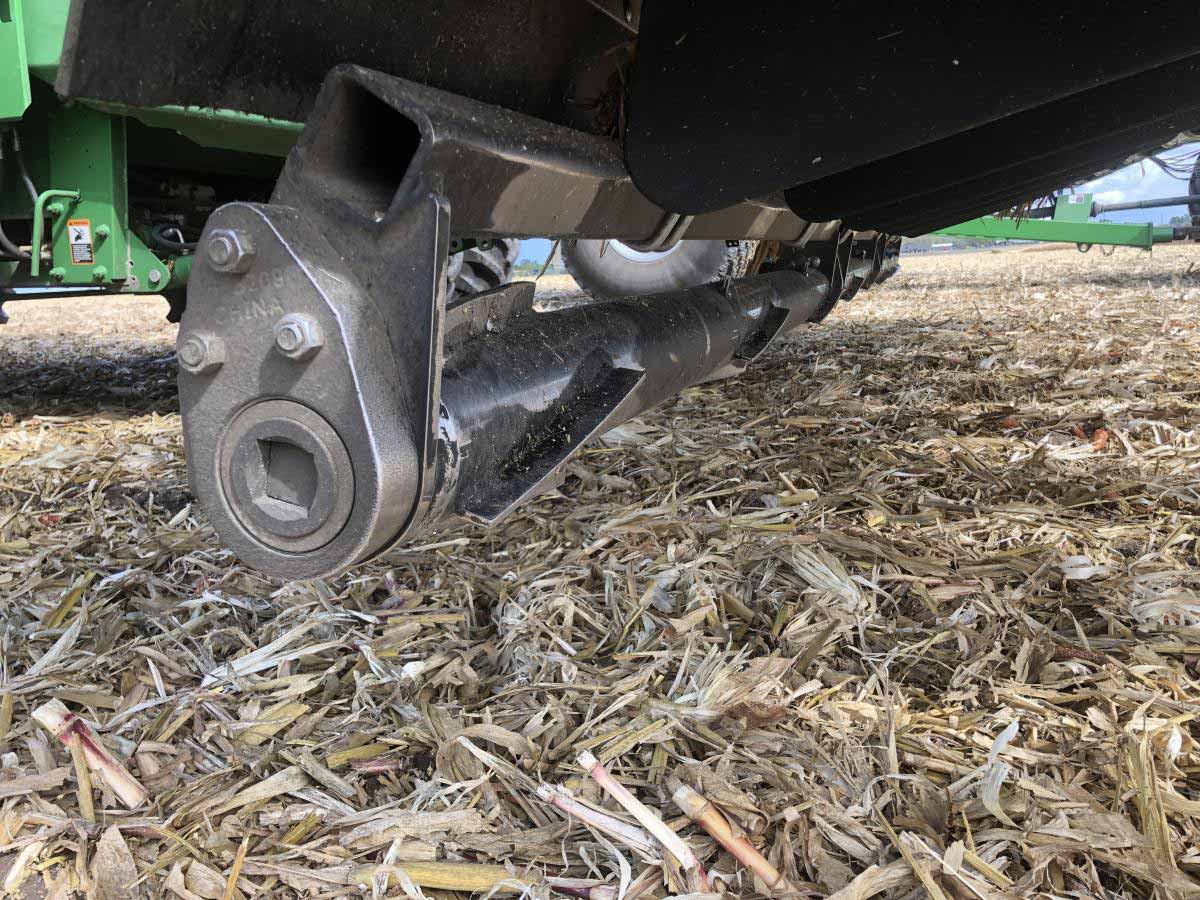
914 605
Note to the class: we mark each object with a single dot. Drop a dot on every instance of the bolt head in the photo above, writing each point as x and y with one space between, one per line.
229 250
200 353
298 336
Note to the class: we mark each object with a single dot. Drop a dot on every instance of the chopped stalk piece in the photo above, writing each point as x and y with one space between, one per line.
631 835
703 813
646 816
65 725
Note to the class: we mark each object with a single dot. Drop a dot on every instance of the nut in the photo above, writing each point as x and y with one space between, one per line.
230 250
200 353
298 336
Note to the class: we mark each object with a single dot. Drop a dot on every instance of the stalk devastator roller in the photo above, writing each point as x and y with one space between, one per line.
355 367
333 403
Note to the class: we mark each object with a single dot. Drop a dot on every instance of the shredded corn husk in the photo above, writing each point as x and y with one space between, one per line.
912 604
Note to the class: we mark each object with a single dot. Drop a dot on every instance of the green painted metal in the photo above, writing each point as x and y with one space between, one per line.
45 26
220 129
14 62
147 273
81 150
1070 224
86 151
1109 233
181 270
39 218
1073 208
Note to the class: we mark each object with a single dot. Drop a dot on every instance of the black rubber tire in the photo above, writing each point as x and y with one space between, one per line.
477 269
690 264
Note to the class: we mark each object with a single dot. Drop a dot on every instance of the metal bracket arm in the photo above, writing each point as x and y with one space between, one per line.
332 404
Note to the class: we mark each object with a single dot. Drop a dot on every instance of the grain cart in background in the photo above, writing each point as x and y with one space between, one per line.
336 398
1069 220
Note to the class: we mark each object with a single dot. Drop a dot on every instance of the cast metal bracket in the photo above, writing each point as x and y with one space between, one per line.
333 404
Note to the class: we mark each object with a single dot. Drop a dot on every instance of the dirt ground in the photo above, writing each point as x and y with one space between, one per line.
915 604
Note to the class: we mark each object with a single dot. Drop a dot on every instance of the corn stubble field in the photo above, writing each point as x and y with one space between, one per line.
915 605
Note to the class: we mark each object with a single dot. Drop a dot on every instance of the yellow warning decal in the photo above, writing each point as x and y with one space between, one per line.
79 234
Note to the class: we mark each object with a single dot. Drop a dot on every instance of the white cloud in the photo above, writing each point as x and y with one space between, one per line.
1139 181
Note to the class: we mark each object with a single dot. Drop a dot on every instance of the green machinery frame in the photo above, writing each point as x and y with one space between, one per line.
1070 223
78 155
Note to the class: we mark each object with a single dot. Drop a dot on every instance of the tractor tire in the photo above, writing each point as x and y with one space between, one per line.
622 271
481 268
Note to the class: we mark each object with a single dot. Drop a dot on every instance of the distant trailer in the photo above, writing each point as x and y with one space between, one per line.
1069 220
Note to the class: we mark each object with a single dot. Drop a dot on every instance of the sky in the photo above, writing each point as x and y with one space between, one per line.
1140 181
534 250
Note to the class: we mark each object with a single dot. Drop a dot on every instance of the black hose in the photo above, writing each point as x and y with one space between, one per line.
1162 165
21 170
158 236
12 253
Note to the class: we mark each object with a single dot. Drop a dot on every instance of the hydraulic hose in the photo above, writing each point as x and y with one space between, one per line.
21 169
158 236
11 252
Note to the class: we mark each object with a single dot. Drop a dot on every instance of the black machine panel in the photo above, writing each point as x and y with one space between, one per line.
270 56
898 118
846 99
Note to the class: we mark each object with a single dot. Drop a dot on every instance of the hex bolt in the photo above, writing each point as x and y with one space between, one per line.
298 336
200 353
229 250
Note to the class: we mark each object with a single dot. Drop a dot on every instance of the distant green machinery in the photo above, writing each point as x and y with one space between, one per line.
98 198
1070 221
